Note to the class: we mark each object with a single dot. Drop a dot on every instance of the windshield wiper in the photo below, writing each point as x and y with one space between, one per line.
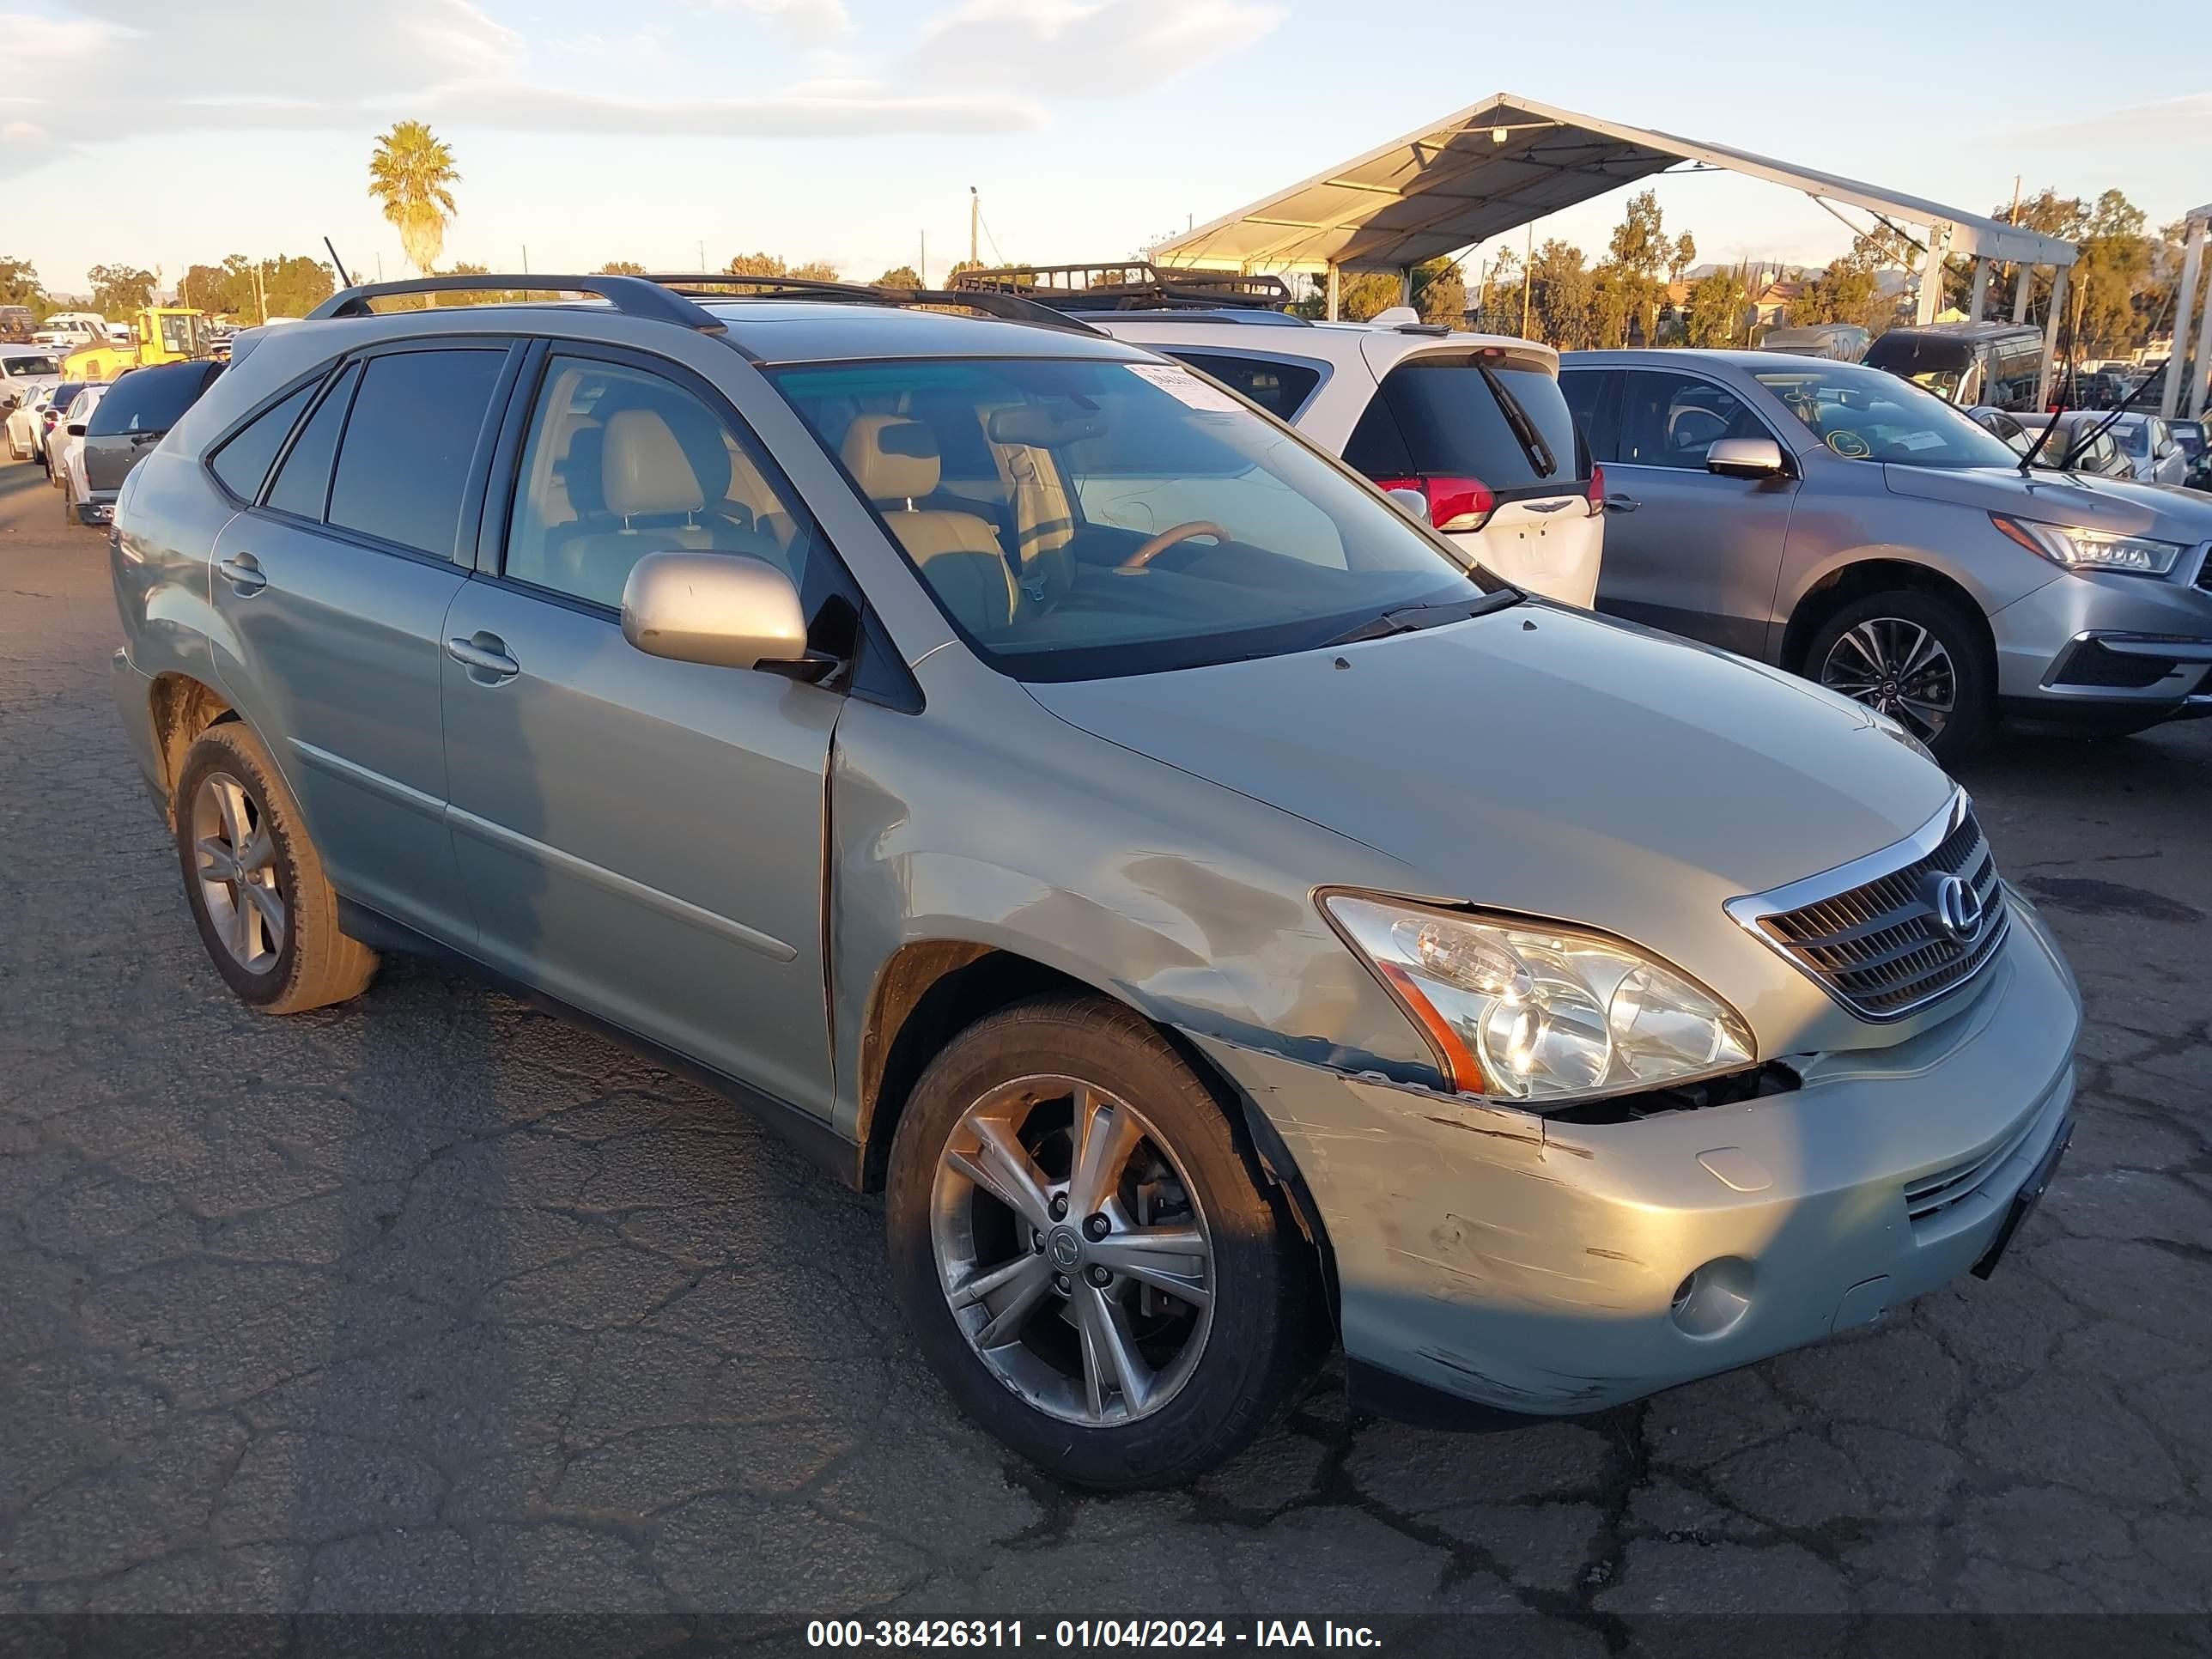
1524 429
1412 618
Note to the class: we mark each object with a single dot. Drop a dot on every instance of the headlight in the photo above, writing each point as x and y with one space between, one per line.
1521 1011
2091 549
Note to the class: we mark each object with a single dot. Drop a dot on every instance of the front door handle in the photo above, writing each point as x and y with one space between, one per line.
243 572
1621 503
484 655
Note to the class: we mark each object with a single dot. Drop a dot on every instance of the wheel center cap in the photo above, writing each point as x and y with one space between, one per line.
1063 1247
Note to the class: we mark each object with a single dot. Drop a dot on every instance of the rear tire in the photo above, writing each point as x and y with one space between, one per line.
1208 1351
255 885
1918 658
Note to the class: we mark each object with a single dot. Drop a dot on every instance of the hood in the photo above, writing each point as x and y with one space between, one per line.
1539 759
2070 498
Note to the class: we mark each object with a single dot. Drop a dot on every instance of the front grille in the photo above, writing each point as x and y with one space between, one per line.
1882 946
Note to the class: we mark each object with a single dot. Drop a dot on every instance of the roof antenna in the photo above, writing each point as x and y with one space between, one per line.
343 275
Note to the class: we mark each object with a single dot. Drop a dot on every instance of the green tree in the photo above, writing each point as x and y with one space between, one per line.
19 285
1850 288
411 172
1715 310
900 276
622 267
1561 291
1364 295
294 285
757 264
1681 256
119 290
1440 293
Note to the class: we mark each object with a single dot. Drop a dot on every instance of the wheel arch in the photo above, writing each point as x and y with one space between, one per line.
181 708
931 990
1852 580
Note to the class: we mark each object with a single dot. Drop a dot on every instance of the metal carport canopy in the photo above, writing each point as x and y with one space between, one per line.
1497 165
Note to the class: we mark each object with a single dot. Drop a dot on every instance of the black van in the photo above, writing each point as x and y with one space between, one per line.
1994 365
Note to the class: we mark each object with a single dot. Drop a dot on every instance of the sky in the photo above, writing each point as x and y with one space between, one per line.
164 133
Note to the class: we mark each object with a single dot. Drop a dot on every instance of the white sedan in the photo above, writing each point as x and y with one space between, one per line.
22 425
69 435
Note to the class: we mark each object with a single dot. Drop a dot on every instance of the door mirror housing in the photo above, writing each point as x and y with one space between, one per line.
76 428
1411 502
724 609
1745 458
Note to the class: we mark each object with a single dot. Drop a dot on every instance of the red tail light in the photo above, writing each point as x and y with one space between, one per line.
1596 491
1454 502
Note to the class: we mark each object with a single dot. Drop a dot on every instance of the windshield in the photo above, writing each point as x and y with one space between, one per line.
1082 519
18 367
1866 414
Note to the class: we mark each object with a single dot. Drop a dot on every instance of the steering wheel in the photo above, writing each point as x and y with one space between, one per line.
1168 538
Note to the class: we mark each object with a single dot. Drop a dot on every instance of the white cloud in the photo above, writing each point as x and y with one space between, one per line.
1087 48
20 132
808 23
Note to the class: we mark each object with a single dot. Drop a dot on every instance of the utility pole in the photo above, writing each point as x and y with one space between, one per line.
975 214
703 253
922 270
526 258
260 296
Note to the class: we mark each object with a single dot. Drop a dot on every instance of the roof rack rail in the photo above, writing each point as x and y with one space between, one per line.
1130 285
714 284
635 296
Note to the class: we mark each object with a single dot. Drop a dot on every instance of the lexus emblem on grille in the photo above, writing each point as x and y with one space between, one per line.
1958 908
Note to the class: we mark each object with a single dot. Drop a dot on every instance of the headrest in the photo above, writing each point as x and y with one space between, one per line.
645 469
890 457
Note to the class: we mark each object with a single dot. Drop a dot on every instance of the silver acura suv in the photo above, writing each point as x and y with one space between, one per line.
1846 524
1214 937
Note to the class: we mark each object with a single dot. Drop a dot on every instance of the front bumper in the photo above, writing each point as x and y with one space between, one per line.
2097 648
134 703
1534 1266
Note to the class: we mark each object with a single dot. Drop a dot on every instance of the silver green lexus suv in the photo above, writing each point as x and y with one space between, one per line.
1222 921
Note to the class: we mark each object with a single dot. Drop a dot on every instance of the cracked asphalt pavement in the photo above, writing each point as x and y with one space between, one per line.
431 1303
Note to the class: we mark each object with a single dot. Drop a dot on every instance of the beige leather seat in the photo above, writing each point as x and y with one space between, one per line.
894 460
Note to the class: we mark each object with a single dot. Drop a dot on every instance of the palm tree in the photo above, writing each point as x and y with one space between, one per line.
409 171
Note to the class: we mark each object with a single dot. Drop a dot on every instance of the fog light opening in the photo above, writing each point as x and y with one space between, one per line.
1713 1300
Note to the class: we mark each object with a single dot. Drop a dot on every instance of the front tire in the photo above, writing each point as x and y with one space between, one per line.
1917 657
1089 1260
254 882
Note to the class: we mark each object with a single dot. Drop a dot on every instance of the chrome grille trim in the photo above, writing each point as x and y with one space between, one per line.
1867 932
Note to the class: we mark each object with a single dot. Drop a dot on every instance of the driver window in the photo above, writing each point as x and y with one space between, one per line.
1674 419
621 462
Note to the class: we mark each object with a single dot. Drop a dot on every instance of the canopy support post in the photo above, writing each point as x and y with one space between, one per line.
1981 290
2051 336
1930 298
2184 312
2200 377
1336 292
2023 280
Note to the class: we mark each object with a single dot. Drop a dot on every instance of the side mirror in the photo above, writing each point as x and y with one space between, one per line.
76 428
725 609
1411 502
1745 458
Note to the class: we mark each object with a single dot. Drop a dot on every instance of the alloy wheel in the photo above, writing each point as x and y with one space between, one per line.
1898 668
1073 1252
235 860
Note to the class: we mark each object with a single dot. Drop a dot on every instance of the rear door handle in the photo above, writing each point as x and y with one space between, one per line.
484 655
243 572
1621 503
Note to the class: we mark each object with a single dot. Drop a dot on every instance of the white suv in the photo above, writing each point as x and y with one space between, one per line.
1474 423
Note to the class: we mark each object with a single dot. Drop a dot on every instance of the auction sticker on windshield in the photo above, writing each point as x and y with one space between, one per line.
1186 388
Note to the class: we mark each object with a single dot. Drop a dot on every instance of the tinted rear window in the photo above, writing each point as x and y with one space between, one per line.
149 399
1279 388
403 466
303 482
243 463
1440 416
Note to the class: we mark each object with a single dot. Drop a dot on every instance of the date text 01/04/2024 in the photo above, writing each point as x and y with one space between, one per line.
1085 1634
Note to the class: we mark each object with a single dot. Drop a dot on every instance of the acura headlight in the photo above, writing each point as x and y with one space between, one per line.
2091 549
1530 1011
